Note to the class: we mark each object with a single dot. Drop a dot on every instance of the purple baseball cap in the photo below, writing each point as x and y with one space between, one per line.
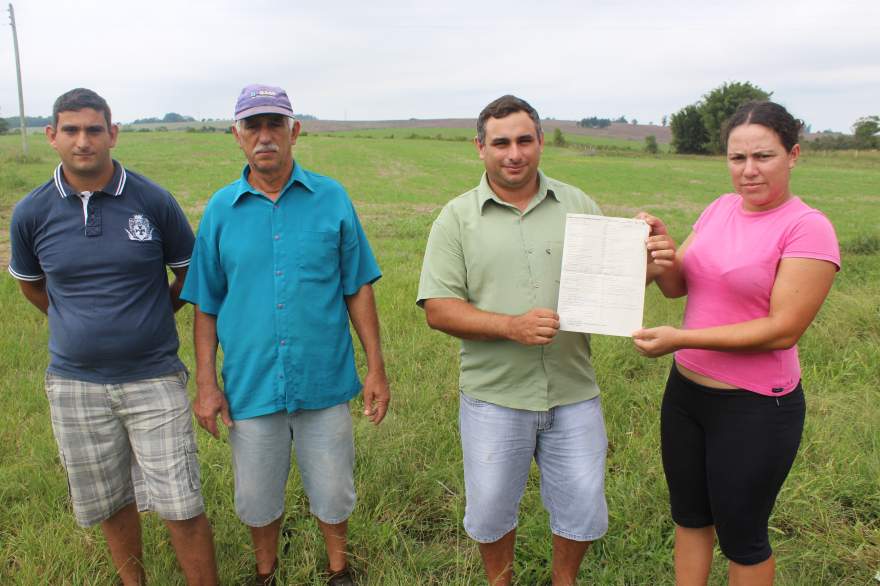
262 99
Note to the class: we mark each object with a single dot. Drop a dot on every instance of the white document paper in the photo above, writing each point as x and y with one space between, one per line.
602 287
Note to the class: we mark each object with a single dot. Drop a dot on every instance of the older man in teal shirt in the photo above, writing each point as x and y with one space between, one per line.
281 264
491 277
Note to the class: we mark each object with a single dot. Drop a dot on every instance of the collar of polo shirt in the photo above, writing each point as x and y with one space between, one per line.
118 179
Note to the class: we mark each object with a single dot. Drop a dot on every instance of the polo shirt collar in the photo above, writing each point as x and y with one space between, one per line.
244 186
114 187
485 193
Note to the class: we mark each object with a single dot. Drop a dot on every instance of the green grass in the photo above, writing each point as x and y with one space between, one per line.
576 141
406 528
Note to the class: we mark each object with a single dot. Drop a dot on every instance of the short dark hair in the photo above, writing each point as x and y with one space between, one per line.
503 107
768 114
79 99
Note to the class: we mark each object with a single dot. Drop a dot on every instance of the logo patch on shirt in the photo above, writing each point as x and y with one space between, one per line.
139 228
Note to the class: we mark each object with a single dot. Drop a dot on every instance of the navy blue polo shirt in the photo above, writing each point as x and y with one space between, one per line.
103 256
276 275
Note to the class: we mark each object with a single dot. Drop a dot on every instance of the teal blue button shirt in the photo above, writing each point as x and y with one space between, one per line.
275 274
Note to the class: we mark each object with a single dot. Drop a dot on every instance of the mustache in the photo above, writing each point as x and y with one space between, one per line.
267 148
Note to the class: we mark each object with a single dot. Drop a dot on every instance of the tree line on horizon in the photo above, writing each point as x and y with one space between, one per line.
12 122
596 122
696 128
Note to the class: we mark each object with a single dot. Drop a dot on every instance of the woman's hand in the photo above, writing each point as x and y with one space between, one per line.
660 246
654 342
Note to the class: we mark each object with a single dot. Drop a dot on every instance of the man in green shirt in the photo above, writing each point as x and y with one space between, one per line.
491 278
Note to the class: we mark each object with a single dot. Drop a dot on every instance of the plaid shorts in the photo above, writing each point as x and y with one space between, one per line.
124 443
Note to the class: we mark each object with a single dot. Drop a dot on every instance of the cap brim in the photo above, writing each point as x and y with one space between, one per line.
263 110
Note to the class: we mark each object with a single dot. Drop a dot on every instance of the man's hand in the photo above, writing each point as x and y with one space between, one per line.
377 394
535 327
654 342
210 402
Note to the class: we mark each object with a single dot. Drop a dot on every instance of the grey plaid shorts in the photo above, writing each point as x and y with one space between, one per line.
124 443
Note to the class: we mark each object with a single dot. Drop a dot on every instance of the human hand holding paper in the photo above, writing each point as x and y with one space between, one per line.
537 326
660 246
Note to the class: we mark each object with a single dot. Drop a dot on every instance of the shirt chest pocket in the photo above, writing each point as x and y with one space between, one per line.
318 256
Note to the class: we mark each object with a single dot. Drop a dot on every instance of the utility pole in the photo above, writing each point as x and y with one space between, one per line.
21 120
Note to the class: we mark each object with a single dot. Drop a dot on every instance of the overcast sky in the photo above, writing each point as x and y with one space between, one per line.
392 59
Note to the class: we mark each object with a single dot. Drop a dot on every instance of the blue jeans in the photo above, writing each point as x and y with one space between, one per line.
567 442
324 447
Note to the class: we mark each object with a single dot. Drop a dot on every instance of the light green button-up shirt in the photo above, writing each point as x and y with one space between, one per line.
486 252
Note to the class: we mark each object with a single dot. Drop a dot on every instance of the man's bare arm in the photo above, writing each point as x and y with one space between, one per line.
365 319
210 400
176 286
461 319
35 292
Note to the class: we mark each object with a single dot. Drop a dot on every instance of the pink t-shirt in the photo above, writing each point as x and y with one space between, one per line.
730 268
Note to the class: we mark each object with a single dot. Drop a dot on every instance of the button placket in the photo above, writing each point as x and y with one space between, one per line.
93 214
528 250
280 283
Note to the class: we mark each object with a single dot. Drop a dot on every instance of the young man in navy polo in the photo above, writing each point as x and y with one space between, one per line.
89 249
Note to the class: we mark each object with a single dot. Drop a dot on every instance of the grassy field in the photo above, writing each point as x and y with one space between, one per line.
586 142
406 528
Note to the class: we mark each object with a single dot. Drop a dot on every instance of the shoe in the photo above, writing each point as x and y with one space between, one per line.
267 579
340 578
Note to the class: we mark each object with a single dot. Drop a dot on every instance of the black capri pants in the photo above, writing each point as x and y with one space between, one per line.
726 454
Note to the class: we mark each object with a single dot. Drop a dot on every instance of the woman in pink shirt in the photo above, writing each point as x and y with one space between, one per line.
756 268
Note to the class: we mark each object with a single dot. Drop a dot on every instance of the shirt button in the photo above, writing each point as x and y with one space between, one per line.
280 306
277 273
283 342
277 237
537 285
530 250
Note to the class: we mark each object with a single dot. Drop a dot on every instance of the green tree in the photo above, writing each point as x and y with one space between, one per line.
29 121
558 138
594 122
4 126
651 145
688 133
175 117
866 130
719 104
